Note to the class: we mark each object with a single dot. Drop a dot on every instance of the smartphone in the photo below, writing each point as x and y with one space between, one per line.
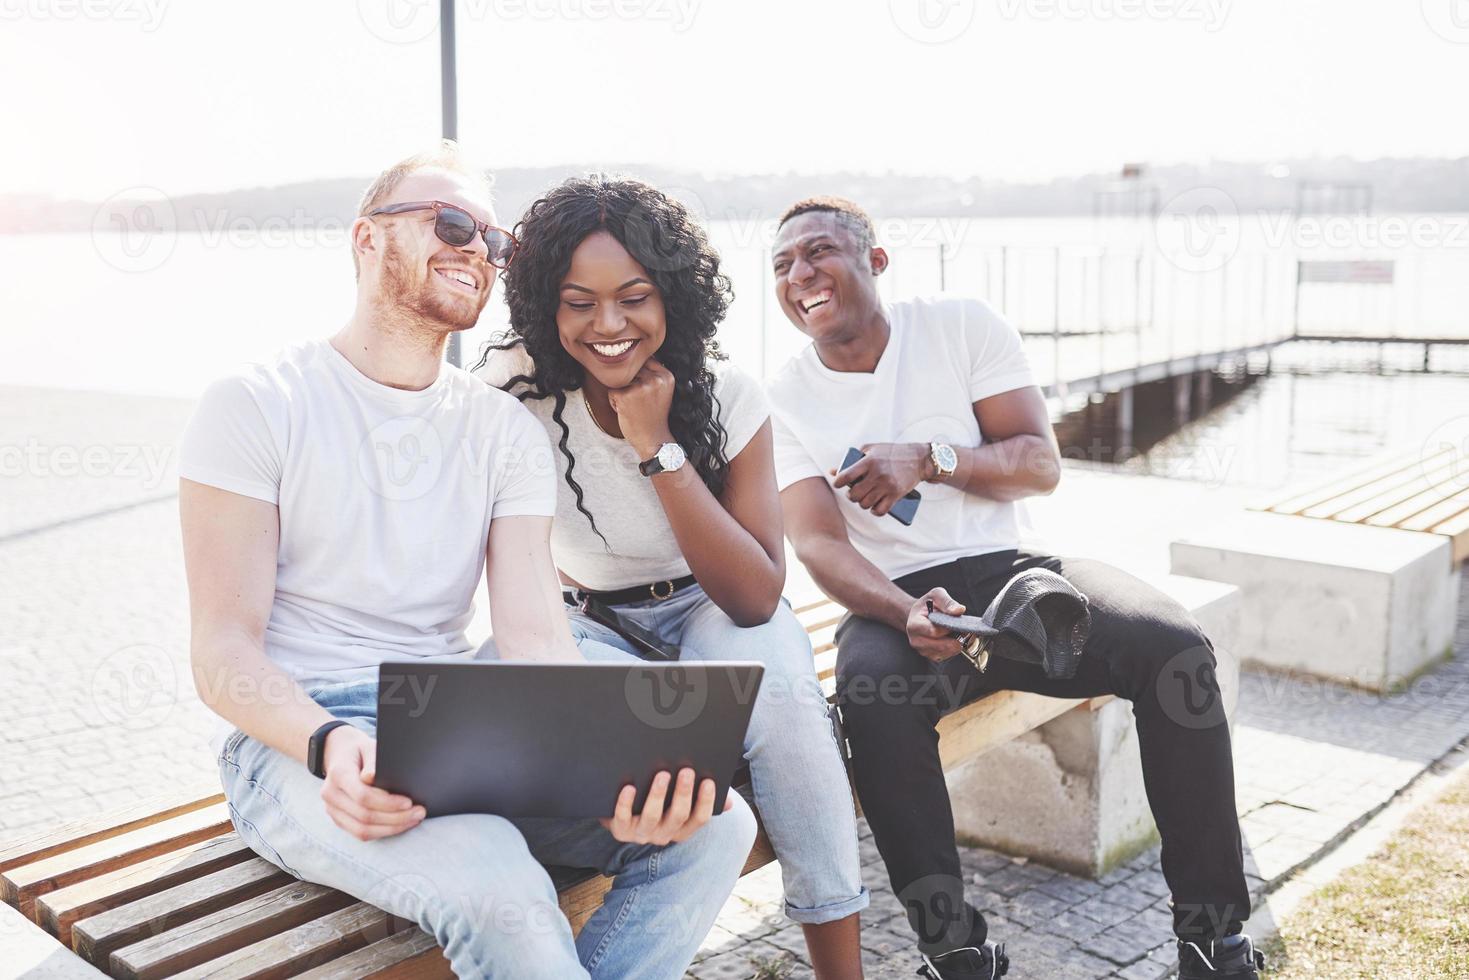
905 509
649 645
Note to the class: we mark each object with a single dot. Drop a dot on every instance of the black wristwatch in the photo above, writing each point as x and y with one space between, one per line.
316 748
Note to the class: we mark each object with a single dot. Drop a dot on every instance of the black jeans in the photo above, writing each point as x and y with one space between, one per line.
1144 647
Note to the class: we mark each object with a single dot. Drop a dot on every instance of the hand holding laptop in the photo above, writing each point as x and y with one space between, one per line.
683 816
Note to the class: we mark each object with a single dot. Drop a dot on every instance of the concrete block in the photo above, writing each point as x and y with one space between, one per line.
1070 793
1368 606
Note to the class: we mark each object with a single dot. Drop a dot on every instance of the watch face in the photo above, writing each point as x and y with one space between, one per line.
671 456
946 457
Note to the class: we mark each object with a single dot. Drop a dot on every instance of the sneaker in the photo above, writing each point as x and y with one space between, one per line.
967 963
1230 958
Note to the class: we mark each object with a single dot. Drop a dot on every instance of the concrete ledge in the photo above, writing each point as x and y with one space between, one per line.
1367 606
1070 793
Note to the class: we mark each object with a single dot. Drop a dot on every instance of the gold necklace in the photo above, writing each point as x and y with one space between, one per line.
588 403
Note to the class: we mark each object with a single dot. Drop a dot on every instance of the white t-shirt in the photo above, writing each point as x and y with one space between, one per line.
624 502
385 500
944 353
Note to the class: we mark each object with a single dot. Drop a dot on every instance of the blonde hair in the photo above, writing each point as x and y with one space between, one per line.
444 155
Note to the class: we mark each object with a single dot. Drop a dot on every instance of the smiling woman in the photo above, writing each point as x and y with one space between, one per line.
614 303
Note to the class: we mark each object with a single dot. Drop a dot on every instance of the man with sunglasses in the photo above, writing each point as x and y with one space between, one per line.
339 502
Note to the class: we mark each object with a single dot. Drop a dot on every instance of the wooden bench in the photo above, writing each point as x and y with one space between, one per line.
1427 492
1355 579
165 888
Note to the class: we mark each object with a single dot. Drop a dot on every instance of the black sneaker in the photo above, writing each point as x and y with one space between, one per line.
1230 958
967 963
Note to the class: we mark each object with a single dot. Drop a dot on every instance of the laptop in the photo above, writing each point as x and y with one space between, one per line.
534 739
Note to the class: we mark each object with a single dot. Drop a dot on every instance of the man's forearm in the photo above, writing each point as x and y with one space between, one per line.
1011 469
843 574
238 682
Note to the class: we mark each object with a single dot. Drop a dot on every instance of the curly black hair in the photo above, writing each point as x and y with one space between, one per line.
667 241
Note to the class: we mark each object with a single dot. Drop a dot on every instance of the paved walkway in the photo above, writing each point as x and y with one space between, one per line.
100 709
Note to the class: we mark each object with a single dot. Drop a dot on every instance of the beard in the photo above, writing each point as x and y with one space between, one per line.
411 290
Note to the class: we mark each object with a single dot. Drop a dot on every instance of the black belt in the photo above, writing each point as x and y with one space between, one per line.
635 593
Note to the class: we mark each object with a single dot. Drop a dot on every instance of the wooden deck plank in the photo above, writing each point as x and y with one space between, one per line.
58 910
303 947
187 945
95 937
411 953
22 885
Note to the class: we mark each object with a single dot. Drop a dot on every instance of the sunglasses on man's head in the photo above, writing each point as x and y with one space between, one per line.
456 226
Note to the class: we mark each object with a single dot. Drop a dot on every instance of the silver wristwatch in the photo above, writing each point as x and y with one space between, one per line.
670 457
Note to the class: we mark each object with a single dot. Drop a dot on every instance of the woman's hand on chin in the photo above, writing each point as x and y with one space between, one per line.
642 408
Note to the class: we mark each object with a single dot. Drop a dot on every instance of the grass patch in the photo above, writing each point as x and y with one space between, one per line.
1403 914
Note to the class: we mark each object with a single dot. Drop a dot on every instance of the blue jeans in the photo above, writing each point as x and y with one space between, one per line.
475 882
796 770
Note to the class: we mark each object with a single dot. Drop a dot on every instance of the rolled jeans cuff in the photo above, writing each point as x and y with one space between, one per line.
830 913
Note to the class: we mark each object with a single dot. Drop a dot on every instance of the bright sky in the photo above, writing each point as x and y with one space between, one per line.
187 95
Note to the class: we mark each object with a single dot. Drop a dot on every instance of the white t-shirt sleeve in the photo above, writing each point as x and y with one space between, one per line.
229 442
525 483
792 462
742 408
997 359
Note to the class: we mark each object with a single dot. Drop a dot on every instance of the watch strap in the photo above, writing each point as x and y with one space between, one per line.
651 467
316 748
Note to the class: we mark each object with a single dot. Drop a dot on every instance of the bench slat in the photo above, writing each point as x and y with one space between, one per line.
1447 492
58 910
307 945
1426 519
20 886
1299 500
994 719
191 943
1404 482
97 936
88 830
1438 482
408 955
